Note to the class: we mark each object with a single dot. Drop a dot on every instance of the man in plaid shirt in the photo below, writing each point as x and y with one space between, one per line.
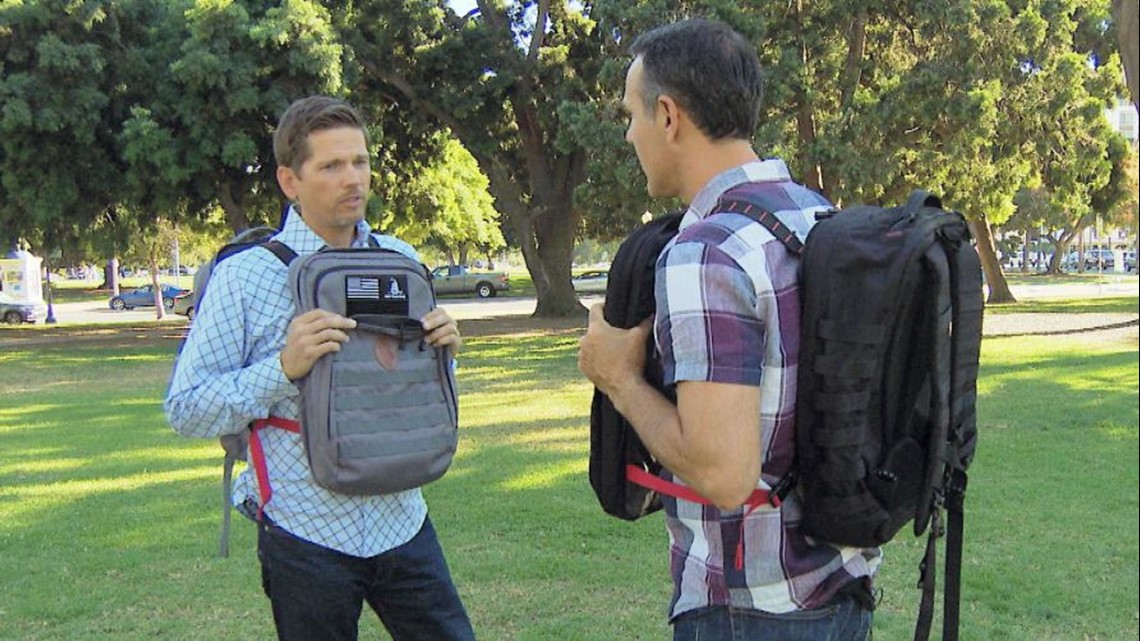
727 331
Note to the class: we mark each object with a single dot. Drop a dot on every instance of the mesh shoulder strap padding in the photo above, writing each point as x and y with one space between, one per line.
613 443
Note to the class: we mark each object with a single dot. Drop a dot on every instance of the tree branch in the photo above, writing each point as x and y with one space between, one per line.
856 42
402 85
536 37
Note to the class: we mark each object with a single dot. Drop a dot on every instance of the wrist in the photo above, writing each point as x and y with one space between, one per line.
285 368
625 392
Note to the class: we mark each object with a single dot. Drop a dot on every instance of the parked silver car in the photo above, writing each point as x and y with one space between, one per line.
591 282
184 305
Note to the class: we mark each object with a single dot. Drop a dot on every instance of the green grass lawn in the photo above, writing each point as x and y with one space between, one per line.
108 520
1100 305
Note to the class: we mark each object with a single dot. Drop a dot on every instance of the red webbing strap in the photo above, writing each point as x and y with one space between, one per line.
758 497
257 455
637 475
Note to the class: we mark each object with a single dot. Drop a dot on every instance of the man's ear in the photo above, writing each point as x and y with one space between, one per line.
287 179
670 112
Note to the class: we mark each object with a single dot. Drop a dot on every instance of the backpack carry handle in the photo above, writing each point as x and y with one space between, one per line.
920 198
401 328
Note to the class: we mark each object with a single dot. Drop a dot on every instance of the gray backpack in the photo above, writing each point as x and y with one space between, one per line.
380 415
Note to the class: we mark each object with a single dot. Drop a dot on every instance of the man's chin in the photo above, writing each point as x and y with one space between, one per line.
352 214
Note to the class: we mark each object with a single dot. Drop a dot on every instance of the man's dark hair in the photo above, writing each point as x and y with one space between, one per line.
303 117
711 71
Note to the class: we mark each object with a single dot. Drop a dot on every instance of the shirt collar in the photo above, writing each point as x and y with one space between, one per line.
770 170
301 238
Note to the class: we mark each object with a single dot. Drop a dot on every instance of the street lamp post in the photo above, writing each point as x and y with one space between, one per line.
50 320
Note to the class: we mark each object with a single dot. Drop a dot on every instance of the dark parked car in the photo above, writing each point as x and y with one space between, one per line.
144 297
15 312
1097 257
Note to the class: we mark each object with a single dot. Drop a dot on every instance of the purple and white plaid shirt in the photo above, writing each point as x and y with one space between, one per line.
728 312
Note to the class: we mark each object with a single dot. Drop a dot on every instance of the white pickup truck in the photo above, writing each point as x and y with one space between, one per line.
458 279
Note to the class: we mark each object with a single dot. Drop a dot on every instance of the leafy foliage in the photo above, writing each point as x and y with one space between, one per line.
116 109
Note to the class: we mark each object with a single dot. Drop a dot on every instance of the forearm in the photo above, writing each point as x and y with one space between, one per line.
657 422
710 439
652 416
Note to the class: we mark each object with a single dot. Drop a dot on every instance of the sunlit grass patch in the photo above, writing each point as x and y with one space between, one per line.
108 520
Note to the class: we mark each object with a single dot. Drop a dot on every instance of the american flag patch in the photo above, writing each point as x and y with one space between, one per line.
362 288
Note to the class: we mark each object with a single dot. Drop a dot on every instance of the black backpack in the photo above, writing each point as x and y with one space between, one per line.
613 443
891 330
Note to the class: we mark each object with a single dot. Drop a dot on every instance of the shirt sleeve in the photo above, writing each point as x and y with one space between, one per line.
218 386
709 323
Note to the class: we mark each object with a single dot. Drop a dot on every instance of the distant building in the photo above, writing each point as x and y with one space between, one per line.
1123 118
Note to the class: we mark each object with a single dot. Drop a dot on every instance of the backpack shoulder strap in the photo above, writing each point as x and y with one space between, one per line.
965 340
733 203
282 251
234 451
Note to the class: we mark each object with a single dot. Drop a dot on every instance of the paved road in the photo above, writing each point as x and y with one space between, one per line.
473 308
460 308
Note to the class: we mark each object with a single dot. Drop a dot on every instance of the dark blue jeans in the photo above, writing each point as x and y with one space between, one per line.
843 620
318 594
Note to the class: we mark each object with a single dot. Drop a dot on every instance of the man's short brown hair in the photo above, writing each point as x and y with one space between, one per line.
303 117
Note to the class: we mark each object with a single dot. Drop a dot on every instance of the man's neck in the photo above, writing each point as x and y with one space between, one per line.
338 239
708 159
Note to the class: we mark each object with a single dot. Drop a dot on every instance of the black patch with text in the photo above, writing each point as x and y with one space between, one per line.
376 294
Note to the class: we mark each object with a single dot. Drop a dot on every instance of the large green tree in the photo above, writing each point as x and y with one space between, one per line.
1126 15
58 89
499 79
136 109
445 205
954 97
202 132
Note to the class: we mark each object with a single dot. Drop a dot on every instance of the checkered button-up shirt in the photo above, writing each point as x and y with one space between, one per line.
229 374
728 312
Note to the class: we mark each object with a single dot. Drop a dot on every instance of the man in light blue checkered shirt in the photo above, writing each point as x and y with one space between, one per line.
727 330
323 555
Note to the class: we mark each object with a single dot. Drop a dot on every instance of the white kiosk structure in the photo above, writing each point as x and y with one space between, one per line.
20 280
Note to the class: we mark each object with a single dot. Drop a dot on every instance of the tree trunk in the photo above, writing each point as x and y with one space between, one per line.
1126 14
545 224
1025 251
853 66
999 288
111 276
805 116
1060 248
555 227
160 309
234 208
546 237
